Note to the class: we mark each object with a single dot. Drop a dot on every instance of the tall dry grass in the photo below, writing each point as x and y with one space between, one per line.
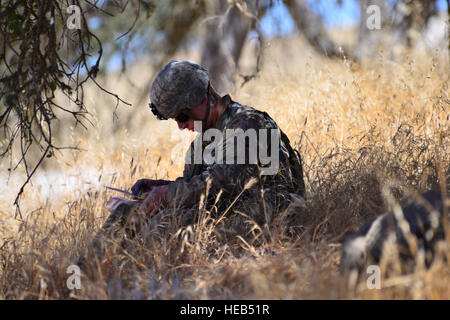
358 130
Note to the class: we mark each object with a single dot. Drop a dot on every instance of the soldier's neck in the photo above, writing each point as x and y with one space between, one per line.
215 114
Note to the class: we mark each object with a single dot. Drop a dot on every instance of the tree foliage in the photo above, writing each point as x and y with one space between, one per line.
40 55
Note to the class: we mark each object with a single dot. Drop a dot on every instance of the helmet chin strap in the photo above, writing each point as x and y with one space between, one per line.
205 119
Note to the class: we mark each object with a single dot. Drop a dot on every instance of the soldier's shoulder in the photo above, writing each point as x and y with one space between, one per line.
245 117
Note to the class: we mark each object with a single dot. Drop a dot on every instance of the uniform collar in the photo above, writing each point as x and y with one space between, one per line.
226 107
226 101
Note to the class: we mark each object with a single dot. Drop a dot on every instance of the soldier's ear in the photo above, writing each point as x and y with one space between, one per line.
213 96
212 101
211 90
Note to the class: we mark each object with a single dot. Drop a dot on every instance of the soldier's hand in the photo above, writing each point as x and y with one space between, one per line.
146 185
155 200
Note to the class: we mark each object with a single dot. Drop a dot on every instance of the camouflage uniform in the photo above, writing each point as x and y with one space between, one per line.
277 190
237 193
223 187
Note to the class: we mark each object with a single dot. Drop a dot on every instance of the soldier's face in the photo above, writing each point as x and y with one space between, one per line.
198 112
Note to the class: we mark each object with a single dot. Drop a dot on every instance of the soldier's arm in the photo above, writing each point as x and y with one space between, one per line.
228 178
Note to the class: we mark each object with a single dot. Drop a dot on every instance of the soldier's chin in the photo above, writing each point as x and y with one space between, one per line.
189 127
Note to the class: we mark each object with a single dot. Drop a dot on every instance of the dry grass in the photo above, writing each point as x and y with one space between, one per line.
358 130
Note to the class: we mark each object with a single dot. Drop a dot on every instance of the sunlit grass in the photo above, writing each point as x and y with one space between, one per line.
357 129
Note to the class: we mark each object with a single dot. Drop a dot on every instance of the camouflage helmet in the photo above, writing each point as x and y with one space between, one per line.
179 85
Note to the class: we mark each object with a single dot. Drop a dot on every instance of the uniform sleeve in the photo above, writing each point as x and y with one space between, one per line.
228 178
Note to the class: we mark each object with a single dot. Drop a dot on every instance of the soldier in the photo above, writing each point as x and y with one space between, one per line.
229 187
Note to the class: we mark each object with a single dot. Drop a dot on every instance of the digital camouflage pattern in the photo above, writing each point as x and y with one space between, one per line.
230 179
179 85
247 202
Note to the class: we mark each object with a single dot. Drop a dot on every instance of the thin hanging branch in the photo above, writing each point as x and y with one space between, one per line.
33 68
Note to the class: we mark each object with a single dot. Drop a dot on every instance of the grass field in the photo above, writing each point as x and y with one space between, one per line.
360 130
